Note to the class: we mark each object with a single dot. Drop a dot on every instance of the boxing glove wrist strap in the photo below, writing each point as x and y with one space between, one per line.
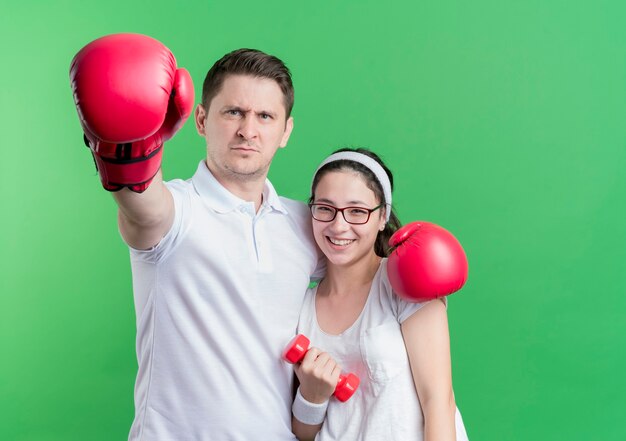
131 165
307 412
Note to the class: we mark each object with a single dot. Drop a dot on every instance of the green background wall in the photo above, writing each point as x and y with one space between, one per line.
503 121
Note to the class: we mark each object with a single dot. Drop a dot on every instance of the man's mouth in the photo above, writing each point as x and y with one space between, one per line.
244 148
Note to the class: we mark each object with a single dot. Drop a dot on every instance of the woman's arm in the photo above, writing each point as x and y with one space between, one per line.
317 374
427 342
304 432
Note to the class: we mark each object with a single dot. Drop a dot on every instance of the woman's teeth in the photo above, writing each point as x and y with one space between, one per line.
341 242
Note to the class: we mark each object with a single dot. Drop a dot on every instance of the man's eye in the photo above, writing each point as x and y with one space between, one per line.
265 116
233 112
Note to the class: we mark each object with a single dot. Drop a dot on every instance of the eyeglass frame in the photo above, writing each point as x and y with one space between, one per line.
337 210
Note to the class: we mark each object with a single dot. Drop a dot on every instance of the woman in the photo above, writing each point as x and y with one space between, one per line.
399 350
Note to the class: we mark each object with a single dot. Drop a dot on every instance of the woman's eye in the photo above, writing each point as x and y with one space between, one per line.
358 212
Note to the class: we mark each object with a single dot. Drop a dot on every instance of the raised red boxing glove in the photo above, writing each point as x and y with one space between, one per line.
130 99
427 262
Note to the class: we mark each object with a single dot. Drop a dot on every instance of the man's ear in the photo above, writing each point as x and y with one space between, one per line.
200 119
287 133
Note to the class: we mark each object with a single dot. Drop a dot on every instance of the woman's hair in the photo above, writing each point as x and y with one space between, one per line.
381 246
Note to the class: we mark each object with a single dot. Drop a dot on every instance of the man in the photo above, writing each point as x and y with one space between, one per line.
220 263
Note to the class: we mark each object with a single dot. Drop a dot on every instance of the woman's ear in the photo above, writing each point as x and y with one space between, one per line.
383 219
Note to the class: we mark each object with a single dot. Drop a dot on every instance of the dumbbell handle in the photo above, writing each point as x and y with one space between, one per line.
296 349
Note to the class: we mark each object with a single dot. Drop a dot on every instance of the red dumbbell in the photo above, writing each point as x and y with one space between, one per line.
295 351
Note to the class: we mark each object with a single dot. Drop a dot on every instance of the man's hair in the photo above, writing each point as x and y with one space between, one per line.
248 62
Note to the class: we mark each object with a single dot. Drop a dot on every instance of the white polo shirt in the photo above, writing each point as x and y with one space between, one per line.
216 302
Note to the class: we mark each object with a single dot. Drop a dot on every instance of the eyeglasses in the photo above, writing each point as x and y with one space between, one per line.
352 215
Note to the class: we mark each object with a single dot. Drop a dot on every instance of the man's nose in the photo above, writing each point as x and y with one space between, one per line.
247 128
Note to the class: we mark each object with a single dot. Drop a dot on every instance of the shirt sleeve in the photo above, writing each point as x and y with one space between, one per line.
320 268
402 309
305 321
301 217
406 309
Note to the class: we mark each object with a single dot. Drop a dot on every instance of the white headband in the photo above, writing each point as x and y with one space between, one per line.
371 164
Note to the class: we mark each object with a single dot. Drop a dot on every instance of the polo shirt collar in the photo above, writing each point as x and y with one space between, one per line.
222 200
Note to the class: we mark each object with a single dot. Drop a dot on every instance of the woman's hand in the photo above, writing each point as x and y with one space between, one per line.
318 374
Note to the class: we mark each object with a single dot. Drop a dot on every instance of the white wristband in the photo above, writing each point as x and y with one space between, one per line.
307 412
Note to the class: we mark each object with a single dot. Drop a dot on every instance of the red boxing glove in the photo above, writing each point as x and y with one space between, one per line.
427 262
130 99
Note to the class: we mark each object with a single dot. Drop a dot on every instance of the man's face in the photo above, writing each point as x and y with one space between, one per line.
244 127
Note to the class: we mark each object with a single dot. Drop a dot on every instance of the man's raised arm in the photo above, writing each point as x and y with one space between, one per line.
130 99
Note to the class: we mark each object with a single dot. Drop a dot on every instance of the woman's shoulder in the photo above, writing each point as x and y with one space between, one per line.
399 307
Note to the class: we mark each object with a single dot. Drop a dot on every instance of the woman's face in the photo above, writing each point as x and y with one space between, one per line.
344 243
